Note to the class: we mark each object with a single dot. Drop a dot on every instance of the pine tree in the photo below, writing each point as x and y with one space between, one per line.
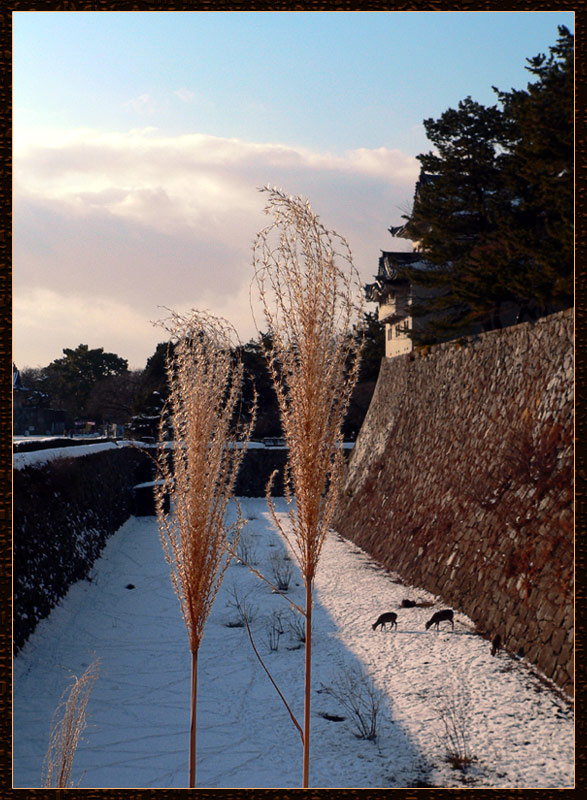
493 211
70 379
455 215
538 170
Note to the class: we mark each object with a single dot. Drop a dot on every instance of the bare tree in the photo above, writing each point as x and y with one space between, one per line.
311 298
199 471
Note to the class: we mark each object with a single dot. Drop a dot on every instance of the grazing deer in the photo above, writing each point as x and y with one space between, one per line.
390 617
441 616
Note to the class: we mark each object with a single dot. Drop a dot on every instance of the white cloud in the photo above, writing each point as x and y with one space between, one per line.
49 321
139 219
143 104
185 95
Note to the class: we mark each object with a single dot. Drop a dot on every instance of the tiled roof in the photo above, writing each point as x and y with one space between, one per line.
399 231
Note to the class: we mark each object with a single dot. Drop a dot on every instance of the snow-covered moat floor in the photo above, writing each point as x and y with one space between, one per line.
519 732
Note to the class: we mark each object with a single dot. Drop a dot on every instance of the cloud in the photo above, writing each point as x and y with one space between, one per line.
139 219
185 95
49 321
143 104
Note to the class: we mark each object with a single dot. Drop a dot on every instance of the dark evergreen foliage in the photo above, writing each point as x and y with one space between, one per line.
69 380
99 386
538 172
151 392
493 211
373 333
455 215
268 422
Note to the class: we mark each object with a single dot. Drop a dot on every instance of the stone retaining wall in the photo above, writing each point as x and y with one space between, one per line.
461 481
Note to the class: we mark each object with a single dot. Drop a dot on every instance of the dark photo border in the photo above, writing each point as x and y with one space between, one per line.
6 396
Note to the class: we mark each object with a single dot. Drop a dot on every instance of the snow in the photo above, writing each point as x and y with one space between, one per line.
147 484
37 458
520 730
35 438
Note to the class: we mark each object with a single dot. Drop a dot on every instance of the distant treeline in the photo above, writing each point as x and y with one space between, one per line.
97 386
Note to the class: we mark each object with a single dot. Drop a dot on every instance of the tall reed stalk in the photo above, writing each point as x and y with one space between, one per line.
67 725
311 298
198 472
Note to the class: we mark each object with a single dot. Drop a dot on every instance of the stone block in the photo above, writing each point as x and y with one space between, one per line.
532 652
558 637
566 654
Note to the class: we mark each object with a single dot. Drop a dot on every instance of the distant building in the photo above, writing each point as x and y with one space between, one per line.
30 414
395 296
18 390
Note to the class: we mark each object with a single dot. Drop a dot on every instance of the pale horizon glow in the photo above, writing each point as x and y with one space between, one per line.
141 140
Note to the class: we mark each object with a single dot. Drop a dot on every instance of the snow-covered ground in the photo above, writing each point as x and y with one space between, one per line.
519 732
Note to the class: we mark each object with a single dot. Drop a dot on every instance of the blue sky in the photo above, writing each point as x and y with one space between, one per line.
140 139
333 81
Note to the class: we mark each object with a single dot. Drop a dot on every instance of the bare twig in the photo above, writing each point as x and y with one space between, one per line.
355 692
285 703
453 711
266 580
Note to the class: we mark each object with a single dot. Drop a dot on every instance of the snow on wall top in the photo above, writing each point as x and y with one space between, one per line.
37 458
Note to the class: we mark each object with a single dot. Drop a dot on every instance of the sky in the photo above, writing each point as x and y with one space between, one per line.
141 140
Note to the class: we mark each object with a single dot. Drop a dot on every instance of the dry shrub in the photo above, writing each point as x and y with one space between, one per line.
281 571
244 609
245 551
66 730
296 627
199 471
453 711
362 701
275 630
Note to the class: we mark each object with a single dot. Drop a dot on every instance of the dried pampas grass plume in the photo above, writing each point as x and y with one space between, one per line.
311 297
199 469
67 725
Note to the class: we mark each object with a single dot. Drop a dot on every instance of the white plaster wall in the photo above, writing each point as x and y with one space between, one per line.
397 345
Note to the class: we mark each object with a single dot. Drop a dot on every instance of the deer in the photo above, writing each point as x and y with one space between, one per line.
441 616
389 616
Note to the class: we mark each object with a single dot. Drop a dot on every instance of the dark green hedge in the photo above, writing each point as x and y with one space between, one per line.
64 512
256 469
